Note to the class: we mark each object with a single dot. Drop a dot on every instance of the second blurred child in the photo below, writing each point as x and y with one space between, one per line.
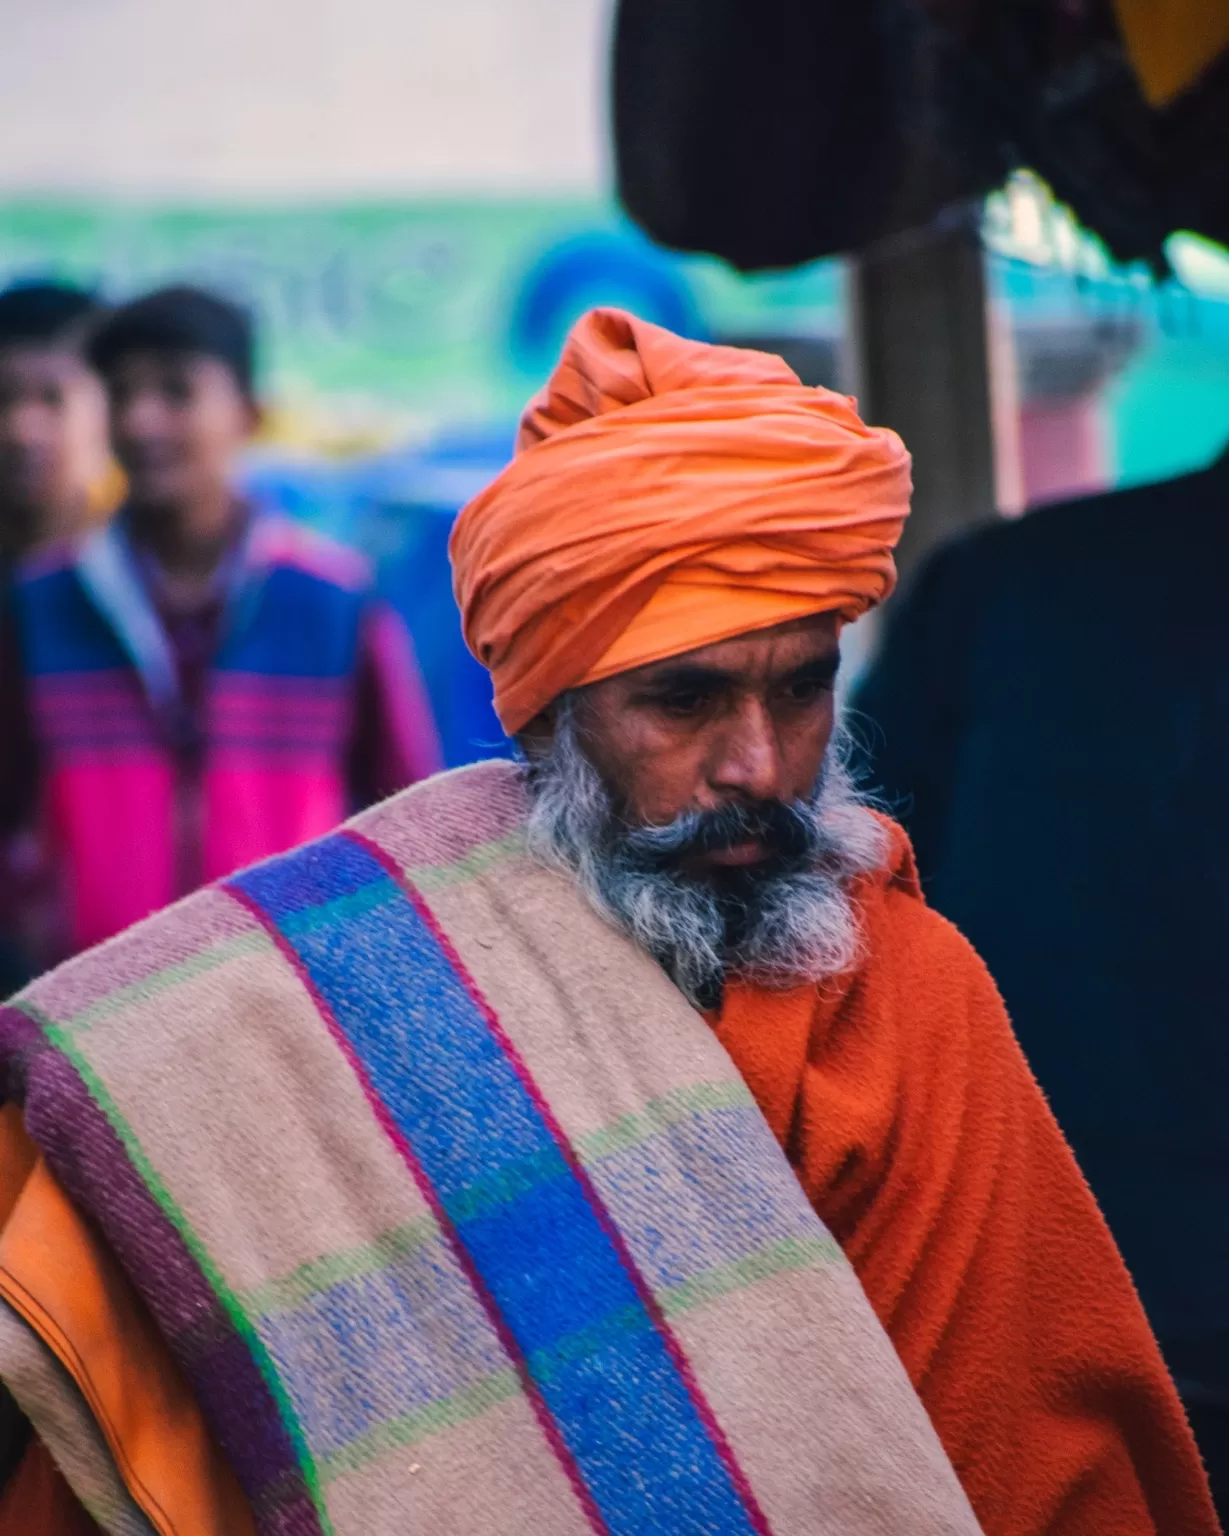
53 452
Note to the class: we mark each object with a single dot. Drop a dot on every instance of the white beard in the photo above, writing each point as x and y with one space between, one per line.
793 924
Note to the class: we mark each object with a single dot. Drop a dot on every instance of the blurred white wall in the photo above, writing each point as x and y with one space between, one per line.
290 98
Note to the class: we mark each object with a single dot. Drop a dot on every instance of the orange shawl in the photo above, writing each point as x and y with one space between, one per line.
919 1134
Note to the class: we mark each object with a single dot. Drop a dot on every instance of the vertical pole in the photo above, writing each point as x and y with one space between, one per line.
920 363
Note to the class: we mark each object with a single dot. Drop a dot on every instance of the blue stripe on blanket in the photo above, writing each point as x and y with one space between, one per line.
602 1366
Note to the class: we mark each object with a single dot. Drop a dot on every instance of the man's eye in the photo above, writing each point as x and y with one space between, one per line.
807 689
684 701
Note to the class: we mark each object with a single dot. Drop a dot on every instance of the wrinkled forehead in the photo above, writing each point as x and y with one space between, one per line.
760 656
756 662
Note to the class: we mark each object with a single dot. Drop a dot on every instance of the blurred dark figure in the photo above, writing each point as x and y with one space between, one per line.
203 683
52 416
771 134
1050 715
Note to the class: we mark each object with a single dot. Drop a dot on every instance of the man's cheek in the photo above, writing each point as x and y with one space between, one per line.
670 788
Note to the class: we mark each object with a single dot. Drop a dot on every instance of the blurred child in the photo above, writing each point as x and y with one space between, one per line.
53 445
55 471
204 682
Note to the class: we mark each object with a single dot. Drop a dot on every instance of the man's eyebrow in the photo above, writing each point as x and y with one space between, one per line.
689 676
819 668
693 676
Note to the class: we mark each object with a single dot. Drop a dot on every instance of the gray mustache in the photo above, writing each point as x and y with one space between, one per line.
787 832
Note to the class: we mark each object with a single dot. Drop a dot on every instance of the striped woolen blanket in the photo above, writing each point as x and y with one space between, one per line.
456 1216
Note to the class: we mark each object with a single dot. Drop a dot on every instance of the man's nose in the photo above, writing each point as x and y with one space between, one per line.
748 763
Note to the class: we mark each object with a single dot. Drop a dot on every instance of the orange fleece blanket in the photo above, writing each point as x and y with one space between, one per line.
909 1113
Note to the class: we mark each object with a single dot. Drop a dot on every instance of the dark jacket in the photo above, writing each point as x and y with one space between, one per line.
1050 716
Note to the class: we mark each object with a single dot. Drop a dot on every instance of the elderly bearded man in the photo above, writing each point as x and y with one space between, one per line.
437 1177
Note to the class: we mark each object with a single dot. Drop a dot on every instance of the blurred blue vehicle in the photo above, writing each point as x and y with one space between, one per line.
399 509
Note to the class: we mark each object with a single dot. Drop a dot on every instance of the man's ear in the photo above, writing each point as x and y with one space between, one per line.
536 739
256 415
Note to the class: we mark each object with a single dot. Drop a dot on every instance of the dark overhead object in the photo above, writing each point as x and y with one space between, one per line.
775 132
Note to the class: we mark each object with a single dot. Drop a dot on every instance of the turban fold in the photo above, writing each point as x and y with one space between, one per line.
665 495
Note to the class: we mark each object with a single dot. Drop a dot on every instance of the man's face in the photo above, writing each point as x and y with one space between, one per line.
178 420
741 723
703 810
52 435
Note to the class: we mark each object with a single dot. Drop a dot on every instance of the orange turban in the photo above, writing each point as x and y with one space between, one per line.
666 495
